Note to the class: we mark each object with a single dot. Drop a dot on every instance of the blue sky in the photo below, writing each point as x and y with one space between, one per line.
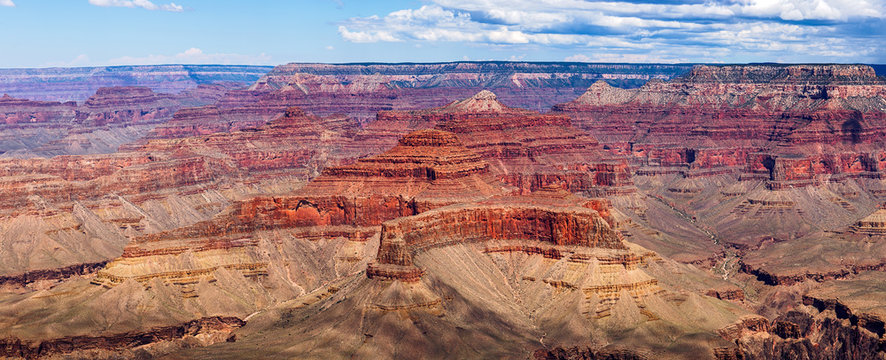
42 33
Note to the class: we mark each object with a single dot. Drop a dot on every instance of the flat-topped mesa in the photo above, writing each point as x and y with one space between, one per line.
23 111
126 105
236 110
423 155
429 168
842 74
525 148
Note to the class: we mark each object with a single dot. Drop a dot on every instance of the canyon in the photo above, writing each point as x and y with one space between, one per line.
456 210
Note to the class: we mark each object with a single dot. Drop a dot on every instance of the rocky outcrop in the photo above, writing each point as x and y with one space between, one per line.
30 277
873 224
424 164
828 330
131 105
205 331
585 353
550 223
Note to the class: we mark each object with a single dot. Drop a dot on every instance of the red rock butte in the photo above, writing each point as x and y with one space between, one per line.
524 148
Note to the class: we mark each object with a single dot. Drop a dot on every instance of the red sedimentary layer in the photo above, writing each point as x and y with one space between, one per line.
130 105
16 111
522 218
288 145
744 117
726 294
236 110
528 149
112 116
428 169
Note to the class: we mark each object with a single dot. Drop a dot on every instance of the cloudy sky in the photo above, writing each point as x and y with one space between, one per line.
41 33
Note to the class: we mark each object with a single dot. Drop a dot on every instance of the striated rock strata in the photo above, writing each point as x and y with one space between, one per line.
526 149
754 117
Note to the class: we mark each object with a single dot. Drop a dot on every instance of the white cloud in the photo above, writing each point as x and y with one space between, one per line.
578 58
792 9
365 36
194 56
144 4
8 3
621 30
812 10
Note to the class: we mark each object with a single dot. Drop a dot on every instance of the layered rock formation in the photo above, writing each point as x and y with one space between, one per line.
459 228
17 111
204 331
529 150
873 224
744 116
364 89
236 110
544 224
85 206
543 270
111 117
428 169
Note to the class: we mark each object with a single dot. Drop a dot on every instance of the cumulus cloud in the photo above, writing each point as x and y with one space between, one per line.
8 3
144 4
630 30
194 56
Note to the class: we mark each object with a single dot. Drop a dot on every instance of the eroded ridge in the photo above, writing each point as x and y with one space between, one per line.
549 223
